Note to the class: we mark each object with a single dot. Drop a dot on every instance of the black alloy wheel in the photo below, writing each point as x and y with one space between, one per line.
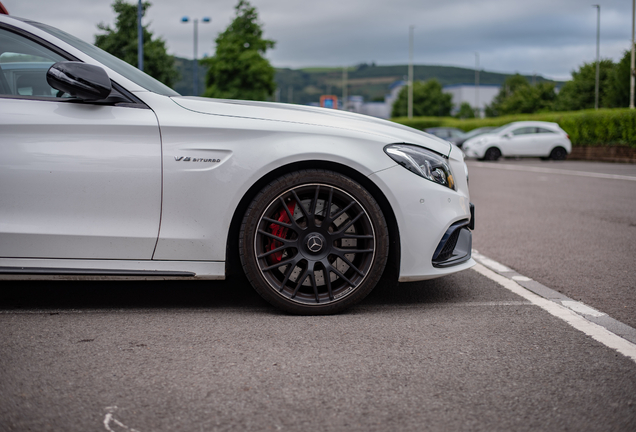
313 242
492 154
558 153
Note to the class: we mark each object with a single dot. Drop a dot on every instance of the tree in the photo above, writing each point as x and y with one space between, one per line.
465 111
428 100
121 42
239 69
511 85
579 93
517 96
618 92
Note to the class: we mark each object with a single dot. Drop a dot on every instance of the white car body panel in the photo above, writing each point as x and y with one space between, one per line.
237 142
133 202
106 159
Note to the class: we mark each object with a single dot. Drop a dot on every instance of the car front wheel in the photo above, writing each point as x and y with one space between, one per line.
313 242
492 154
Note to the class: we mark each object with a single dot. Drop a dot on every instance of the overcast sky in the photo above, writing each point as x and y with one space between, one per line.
547 37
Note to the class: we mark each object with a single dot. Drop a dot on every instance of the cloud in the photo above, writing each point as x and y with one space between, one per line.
548 37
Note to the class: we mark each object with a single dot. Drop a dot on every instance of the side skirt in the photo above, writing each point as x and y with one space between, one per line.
33 268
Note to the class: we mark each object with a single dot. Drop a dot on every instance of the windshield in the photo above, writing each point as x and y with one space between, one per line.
479 131
499 129
121 67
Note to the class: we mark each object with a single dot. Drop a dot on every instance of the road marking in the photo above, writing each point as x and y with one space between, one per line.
552 171
109 419
491 303
595 331
492 264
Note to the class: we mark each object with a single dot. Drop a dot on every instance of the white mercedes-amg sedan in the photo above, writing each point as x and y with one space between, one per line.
107 173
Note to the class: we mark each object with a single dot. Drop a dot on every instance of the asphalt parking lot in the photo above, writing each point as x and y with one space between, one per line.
569 225
458 353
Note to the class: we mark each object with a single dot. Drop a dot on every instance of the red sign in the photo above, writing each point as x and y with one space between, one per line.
329 101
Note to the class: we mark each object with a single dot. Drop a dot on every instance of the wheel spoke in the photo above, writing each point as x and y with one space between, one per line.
300 281
350 264
327 208
277 222
301 206
290 215
354 236
312 208
341 252
312 276
273 251
282 263
275 237
288 273
327 278
341 211
351 222
343 277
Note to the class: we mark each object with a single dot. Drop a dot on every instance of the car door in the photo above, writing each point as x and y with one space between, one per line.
520 142
546 141
77 180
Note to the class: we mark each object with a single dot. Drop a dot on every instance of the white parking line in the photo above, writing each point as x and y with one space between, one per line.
597 332
552 171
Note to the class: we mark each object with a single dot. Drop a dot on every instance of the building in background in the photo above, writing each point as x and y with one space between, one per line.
469 93
460 93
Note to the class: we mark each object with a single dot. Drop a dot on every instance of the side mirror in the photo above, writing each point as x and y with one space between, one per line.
508 135
84 81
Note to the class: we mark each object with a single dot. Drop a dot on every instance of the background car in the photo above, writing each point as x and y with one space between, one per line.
106 172
448 133
524 139
459 141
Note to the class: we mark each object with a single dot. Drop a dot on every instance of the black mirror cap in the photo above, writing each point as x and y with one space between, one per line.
84 81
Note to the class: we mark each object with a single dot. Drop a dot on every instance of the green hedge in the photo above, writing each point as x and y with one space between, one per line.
604 127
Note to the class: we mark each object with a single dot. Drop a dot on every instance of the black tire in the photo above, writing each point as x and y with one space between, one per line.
319 257
492 154
558 153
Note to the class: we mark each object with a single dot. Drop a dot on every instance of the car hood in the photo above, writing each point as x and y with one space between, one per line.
390 131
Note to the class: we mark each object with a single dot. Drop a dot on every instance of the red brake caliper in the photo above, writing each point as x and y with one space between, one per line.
280 231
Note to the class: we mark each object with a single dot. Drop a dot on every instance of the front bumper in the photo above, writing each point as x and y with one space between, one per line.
456 244
424 212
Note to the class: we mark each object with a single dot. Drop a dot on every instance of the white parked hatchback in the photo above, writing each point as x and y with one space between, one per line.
523 139
107 173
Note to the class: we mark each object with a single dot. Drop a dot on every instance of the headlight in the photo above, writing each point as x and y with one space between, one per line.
422 162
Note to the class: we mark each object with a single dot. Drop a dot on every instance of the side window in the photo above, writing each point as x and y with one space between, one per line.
544 131
23 67
524 131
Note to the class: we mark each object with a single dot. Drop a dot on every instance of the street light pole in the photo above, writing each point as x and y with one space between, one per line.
477 84
598 42
195 62
410 99
344 88
632 70
140 38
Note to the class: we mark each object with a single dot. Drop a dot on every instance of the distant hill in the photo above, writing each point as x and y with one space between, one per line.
303 86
